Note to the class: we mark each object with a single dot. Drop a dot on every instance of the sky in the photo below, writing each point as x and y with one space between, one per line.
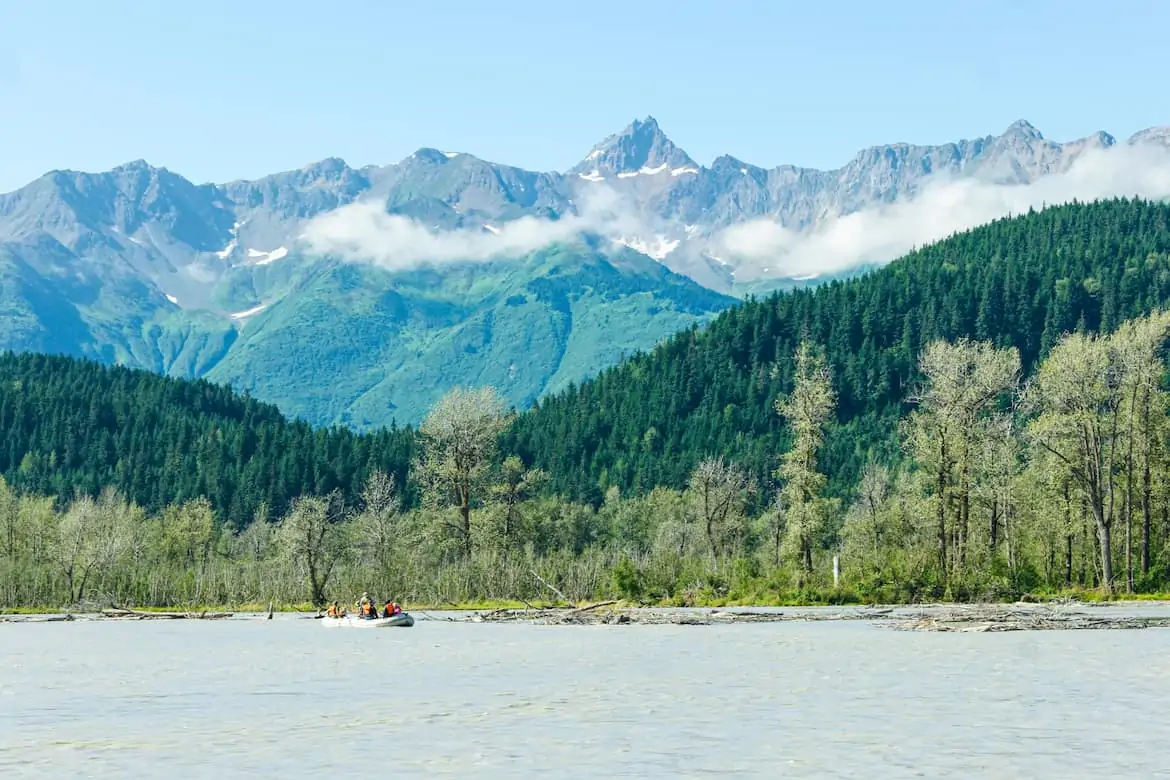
221 90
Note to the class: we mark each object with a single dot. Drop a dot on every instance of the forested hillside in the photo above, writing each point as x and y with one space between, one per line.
1016 282
69 425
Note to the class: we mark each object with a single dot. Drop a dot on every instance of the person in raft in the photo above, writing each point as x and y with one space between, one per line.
335 611
366 608
391 609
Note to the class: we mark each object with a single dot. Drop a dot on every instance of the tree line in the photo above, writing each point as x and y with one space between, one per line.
1010 483
70 425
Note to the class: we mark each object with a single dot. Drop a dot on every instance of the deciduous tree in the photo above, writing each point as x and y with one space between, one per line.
460 436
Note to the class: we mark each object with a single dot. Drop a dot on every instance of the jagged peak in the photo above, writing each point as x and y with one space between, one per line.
649 123
432 155
134 165
1022 128
329 164
640 147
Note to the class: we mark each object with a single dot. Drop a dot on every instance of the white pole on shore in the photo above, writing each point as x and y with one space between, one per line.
836 569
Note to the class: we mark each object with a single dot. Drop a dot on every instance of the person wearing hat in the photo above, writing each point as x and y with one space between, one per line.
366 608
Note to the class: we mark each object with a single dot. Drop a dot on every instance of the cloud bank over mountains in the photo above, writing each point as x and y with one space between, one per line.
757 248
882 233
365 232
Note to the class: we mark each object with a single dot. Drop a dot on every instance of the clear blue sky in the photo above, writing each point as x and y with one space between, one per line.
220 89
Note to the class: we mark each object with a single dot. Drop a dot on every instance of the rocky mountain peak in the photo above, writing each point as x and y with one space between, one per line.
331 167
134 166
640 148
1024 130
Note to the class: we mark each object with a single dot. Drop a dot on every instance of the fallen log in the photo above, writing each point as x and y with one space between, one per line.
564 598
67 618
590 607
118 613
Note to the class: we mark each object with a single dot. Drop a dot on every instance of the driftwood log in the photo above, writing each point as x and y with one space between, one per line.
37 618
117 613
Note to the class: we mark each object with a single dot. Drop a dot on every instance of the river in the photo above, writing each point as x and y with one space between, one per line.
248 698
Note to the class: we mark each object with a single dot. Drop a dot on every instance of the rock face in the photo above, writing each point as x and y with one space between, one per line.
140 265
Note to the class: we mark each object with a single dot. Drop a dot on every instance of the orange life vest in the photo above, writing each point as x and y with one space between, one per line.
332 611
368 608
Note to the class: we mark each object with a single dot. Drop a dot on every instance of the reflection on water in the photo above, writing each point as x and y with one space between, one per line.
830 699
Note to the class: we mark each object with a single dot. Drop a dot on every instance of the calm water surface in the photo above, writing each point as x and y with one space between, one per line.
842 699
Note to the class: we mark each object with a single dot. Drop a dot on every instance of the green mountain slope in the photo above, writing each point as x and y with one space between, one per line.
1020 281
357 345
71 425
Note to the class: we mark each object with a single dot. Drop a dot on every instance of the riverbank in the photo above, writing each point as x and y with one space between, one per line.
819 600
964 618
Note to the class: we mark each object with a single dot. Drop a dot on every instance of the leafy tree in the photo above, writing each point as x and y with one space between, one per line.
459 441
953 424
316 540
379 523
515 485
807 411
718 494
92 536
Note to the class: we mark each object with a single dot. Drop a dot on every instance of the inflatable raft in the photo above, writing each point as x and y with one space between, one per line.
401 620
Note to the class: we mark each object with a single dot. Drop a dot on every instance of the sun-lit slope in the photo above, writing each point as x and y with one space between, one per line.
355 344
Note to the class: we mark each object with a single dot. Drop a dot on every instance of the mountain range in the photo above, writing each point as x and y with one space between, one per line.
357 296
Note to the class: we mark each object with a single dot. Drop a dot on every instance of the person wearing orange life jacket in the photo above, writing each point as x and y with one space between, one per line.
391 610
333 611
366 608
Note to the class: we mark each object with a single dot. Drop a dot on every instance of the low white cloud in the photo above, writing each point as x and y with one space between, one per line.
364 232
762 248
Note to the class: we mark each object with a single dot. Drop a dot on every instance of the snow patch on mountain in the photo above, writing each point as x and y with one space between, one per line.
648 171
243 315
234 232
657 248
227 251
264 258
